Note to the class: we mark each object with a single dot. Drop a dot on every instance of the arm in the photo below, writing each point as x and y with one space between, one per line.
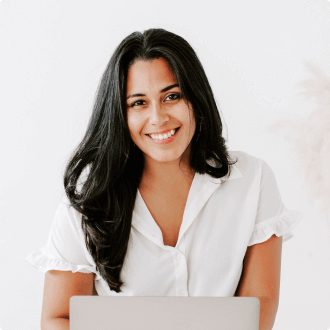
261 278
59 287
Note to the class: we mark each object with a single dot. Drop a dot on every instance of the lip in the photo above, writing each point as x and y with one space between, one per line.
166 141
166 131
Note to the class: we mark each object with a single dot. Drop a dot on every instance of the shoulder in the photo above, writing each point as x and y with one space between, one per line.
67 221
67 217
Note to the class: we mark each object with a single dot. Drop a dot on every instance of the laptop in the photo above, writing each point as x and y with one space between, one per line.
164 313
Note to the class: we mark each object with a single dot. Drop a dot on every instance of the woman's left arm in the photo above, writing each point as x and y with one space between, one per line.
261 278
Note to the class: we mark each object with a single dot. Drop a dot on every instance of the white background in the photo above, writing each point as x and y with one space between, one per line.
53 54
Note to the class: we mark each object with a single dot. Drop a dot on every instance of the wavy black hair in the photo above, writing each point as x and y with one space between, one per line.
115 165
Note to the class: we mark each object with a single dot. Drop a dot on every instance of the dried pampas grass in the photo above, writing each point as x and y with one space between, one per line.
310 137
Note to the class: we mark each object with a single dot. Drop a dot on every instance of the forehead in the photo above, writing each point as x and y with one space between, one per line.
147 74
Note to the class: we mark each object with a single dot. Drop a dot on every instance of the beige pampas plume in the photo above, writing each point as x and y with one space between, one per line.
310 137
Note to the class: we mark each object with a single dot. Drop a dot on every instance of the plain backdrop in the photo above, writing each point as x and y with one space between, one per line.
53 54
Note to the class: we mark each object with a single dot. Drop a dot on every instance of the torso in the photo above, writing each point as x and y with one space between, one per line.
167 208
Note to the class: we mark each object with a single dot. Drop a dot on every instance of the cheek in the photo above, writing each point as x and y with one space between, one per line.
192 120
192 123
192 129
133 124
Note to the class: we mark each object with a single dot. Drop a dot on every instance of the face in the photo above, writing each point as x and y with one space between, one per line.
160 121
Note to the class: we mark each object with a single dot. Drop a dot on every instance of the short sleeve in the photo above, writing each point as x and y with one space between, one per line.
272 216
65 248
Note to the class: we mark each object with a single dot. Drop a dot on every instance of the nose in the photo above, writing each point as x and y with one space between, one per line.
158 115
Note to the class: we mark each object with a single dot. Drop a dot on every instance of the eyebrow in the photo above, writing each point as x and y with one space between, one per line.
162 91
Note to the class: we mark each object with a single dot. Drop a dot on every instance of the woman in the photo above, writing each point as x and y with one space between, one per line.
163 208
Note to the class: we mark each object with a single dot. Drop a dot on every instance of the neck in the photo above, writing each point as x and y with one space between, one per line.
168 176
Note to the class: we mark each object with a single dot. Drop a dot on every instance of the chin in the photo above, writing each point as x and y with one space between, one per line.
165 158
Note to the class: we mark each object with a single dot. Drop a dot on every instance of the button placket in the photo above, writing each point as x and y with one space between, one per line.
181 272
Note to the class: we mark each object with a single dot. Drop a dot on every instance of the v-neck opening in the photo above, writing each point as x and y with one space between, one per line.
150 219
201 189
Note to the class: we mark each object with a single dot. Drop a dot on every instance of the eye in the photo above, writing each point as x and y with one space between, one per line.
137 103
174 96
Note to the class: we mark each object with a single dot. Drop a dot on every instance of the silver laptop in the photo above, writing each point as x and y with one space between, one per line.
164 313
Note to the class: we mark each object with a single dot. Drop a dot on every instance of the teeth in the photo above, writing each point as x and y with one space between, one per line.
163 136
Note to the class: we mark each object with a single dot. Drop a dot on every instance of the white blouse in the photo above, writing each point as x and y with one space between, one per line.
221 219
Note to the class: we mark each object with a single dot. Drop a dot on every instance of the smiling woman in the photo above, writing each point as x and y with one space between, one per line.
155 204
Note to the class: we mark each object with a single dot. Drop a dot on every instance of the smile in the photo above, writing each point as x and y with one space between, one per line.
165 137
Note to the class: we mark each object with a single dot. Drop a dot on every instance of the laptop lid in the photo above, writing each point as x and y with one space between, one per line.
164 313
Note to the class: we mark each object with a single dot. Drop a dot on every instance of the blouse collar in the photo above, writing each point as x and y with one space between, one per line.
201 189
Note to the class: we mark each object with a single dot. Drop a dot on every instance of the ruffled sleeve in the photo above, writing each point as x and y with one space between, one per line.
272 215
281 225
65 248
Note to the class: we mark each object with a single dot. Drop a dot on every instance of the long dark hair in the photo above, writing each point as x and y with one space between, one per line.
115 165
